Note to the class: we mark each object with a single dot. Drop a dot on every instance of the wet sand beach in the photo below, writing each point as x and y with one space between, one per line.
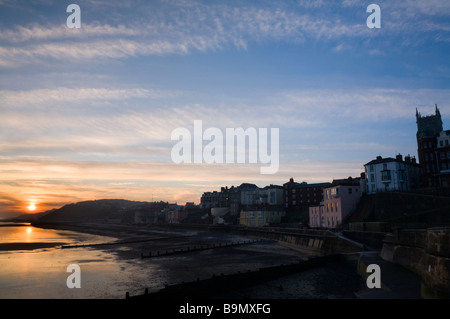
335 280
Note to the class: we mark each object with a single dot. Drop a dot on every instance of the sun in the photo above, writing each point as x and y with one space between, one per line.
31 207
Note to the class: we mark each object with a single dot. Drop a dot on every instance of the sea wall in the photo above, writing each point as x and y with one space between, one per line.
313 240
319 241
370 238
427 253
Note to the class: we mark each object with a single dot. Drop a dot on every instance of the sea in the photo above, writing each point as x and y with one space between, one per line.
43 273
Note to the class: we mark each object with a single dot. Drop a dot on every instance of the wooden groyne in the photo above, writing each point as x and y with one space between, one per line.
217 284
121 242
197 248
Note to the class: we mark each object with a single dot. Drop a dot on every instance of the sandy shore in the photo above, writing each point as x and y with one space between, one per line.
128 243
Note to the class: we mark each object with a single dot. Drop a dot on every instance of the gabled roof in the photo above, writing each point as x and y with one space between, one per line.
383 160
345 182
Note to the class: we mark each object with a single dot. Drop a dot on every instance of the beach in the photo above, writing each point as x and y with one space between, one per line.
332 280
118 260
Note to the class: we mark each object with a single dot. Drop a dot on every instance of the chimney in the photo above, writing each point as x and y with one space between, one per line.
379 158
414 160
408 159
399 157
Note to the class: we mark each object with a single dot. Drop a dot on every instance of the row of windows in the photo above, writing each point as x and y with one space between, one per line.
441 143
427 145
387 176
430 168
371 167
306 190
332 207
330 222
260 214
429 156
330 193
402 186
306 195
294 202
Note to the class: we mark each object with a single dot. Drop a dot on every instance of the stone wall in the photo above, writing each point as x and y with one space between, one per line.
319 241
426 252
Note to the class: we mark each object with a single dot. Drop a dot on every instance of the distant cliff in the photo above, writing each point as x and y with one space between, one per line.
99 210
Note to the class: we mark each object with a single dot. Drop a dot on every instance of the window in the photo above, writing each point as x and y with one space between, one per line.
385 166
446 142
350 190
371 168
372 178
442 154
260 214
272 197
386 175
441 143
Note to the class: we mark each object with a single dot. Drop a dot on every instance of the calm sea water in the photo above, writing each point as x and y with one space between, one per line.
42 273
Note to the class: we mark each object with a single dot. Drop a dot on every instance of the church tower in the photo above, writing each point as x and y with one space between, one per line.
428 129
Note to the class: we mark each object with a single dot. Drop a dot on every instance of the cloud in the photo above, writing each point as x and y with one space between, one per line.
15 98
206 28
51 183
368 105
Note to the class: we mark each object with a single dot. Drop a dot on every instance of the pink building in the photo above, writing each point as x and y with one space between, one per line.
339 201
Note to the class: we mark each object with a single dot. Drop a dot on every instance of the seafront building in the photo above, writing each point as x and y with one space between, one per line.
340 199
299 196
263 215
392 174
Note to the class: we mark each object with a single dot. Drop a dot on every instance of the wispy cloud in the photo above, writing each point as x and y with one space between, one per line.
64 94
205 27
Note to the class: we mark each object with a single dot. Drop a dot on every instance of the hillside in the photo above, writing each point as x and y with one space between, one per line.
98 210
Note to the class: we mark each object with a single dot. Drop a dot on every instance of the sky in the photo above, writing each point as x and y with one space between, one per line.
88 113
